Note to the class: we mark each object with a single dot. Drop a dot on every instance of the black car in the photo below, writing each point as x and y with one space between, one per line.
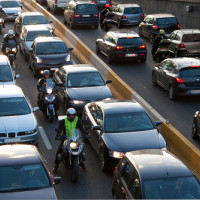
180 76
153 174
48 53
82 84
117 127
81 13
122 46
196 126
152 24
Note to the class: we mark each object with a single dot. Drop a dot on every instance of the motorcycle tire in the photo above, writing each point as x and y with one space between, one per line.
50 116
74 171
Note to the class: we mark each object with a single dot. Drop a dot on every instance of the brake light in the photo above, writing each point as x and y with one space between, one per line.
96 15
115 170
76 16
110 1
142 16
179 80
195 66
123 17
178 25
95 1
56 1
129 37
142 54
142 46
119 48
181 46
155 27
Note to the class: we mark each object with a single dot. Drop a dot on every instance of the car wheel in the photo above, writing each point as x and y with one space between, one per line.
64 21
97 49
35 74
154 80
194 131
140 32
109 58
102 161
119 24
71 24
172 95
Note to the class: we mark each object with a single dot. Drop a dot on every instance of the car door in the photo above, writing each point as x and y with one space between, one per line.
175 41
161 71
23 40
18 26
144 26
149 26
103 44
198 123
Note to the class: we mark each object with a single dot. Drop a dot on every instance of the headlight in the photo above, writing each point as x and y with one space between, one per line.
49 91
77 102
38 60
1 20
68 58
7 50
73 145
14 50
31 132
116 154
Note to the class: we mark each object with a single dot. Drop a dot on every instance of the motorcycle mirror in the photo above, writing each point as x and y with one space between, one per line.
108 81
17 76
70 49
57 179
35 109
158 123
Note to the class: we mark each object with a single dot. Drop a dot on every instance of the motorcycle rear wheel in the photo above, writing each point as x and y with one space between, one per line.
75 171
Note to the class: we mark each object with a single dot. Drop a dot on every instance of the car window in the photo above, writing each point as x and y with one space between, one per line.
86 8
190 72
151 20
111 39
32 20
166 21
164 64
171 67
127 174
172 36
99 116
5 73
33 34
178 37
132 10
191 38
93 110
130 41
9 4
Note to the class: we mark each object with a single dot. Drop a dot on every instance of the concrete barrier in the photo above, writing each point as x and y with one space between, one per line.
178 144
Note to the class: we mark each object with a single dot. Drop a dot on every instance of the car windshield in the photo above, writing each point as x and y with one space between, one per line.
33 34
9 4
132 10
51 48
166 21
84 79
32 20
190 72
191 38
5 73
23 178
14 106
127 122
86 8
172 188
130 41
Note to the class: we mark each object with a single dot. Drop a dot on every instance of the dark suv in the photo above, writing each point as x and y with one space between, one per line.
81 13
152 24
122 46
153 174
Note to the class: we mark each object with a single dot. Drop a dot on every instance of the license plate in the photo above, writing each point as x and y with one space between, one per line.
102 1
195 91
109 20
86 15
131 55
54 68
13 140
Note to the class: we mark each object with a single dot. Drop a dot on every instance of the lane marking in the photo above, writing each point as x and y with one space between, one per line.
45 138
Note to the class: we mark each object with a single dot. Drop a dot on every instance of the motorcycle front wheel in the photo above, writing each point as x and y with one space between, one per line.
50 115
74 171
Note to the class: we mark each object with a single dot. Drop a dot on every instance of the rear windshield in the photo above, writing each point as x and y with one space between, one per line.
32 20
9 4
133 10
190 72
130 41
33 34
191 38
5 73
86 8
169 20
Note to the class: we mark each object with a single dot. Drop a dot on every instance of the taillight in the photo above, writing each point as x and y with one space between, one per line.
96 15
155 27
76 16
110 1
95 1
142 46
119 48
123 17
56 1
142 16
179 80
181 46
195 66
178 25
115 170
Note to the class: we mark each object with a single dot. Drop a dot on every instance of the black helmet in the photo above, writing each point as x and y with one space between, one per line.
46 73
71 114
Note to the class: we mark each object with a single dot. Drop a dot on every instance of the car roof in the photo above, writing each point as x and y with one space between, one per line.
18 154
157 163
188 31
31 14
3 60
81 2
48 39
161 15
36 28
129 5
79 68
113 106
120 34
184 62
9 91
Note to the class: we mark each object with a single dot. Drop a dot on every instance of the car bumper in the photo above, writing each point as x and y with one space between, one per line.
185 53
86 23
130 56
185 91
130 22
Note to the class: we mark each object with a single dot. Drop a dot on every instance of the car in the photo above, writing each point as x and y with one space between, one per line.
122 46
24 174
7 74
28 35
48 53
82 84
153 174
152 24
30 18
56 5
20 3
17 121
119 126
102 3
185 42
42 2
127 14
180 76
81 13
196 126
11 9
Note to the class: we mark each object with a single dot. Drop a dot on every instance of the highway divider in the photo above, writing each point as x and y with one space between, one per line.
177 143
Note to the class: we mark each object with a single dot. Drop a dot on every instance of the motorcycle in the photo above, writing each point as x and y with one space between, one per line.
163 52
48 94
72 153
108 21
1 24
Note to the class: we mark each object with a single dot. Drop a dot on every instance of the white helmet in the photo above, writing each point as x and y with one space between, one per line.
10 33
71 114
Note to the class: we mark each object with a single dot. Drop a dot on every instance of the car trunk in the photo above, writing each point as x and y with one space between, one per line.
192 42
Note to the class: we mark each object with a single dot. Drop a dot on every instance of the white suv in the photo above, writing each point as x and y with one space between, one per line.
55 5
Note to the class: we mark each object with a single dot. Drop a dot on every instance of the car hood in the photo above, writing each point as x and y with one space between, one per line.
39 25
17 123
132 141
89 93
46 193
28 44
12 10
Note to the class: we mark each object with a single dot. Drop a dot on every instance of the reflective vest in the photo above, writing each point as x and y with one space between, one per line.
107 12
70 126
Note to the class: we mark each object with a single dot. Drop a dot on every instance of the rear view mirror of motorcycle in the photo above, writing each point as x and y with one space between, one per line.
35 109
17 76
96 128
57 180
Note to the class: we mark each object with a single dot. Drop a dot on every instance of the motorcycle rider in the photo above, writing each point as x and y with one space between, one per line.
104 13
2 14
157 41
66 127
9 36
41 83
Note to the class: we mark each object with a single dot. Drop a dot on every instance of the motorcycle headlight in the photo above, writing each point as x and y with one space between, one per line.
116 154
73 145
49 91
76 102
38 60
67 59
7 50
14 49
1 20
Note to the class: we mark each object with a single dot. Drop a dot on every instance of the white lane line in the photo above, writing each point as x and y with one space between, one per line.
45 138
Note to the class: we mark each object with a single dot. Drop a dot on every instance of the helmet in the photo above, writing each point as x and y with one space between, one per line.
71 114
107 5
46 73
162 31
10 33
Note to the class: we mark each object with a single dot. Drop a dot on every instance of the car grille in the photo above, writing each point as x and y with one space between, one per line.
11 135
2 135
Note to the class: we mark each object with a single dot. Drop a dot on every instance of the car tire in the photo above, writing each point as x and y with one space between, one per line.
140 32
172 95
97 49
102 161
119 24
154 80
194 131
109 59
64 21
71 24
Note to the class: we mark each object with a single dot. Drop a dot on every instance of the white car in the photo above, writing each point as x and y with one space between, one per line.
17 121
7 75
11 9
56 5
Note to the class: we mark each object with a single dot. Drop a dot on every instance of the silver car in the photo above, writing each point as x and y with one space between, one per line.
7 75
17 121
28 35
24 174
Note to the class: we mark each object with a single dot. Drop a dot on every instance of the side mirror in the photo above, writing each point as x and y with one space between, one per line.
108 81
17 76
50 22
30 50
96 128
158 123
70 49
35 109
57 179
